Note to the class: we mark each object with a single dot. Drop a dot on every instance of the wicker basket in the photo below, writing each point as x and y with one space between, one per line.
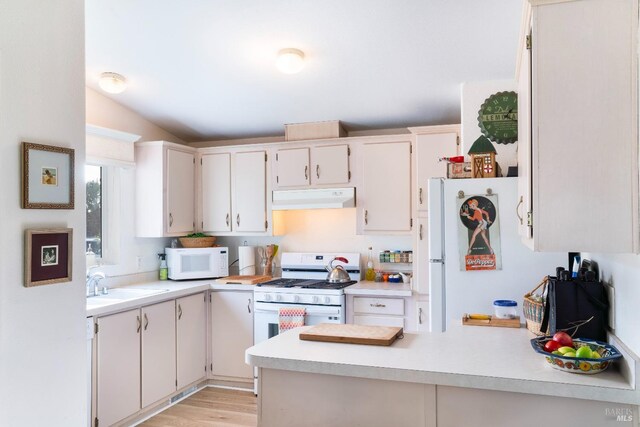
533 309
197 242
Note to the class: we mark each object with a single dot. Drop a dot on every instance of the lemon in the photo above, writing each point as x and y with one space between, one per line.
566 349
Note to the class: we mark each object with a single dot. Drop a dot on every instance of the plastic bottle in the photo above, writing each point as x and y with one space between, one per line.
164 270
370 273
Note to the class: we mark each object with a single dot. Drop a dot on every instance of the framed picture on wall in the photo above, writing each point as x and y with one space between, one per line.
47 177
48 256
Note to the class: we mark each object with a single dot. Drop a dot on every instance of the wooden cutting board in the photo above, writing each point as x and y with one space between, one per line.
492 321
353 334
244 280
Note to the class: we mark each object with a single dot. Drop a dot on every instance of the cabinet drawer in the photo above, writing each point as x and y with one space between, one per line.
392 306
379 321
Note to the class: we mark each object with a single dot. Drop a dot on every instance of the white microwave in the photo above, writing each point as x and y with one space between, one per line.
197 263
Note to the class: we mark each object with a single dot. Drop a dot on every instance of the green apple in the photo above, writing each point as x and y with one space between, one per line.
556 352
584 352
565 350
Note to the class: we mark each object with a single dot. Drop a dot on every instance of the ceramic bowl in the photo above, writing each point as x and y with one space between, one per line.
577 365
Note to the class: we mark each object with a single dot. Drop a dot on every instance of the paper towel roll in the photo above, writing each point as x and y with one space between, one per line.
247 260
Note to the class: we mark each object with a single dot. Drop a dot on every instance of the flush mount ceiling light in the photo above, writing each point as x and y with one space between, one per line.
112 82
290 61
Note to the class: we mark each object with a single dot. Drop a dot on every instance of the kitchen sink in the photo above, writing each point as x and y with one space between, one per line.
122 294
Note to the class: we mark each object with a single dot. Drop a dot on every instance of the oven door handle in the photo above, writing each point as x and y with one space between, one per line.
310 312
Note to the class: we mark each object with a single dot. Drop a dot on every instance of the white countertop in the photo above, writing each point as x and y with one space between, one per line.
379 289
465 356
176 289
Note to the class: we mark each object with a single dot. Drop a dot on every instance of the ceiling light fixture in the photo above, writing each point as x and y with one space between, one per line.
112 82
290 61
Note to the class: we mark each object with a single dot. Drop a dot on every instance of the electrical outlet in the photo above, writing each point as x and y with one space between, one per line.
139 262
611 295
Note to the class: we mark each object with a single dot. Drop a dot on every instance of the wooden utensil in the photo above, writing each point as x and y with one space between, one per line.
352 334
486 320
269 252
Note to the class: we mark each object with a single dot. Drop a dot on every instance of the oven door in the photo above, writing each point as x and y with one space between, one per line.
266 317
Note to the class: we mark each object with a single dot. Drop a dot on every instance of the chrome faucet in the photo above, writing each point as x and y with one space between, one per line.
94 278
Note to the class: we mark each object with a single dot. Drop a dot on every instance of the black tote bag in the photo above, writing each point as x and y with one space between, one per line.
577 306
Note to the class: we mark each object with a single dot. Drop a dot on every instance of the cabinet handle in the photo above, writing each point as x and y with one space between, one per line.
170 219
238 219
179 312
306 172
420 316
366 217
146 321
139 324
518 210
420 195
377 305
420 232
227 220
318 171
249 305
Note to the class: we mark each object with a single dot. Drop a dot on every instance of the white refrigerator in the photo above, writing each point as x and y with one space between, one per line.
458 209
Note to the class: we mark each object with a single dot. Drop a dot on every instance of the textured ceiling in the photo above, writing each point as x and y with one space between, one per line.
204 70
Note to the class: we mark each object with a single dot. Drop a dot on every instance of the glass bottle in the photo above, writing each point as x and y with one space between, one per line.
370 273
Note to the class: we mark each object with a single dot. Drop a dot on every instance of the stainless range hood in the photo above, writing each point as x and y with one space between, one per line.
315 198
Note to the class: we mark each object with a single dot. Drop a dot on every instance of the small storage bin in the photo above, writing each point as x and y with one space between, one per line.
505 309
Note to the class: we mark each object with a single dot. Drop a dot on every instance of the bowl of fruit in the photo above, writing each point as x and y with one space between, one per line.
575 355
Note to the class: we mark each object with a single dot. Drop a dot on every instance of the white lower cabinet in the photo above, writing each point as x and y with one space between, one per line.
231 334
118 366
379 311
158 352
146 354
191 337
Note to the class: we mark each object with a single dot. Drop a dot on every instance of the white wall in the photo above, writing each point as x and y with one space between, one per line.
105 112
42 329
622 271
473 95
321 230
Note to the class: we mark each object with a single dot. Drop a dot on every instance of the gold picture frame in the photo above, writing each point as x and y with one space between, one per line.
48 256
47 177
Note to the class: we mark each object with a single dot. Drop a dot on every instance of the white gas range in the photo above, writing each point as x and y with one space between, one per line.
303 284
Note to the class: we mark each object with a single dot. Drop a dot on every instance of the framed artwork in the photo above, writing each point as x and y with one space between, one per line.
48 256
47 177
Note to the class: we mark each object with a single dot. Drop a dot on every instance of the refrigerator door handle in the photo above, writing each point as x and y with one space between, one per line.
436 260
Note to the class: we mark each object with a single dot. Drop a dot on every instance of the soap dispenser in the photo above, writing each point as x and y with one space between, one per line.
164 270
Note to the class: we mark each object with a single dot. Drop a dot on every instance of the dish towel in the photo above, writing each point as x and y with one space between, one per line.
290 318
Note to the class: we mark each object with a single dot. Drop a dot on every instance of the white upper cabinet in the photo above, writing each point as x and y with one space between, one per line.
165 189
233 191
317 165
583 162
384 198
292 167
330 165
216 192
250 195
431 144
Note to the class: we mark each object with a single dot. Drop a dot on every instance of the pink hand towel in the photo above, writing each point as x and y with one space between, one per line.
290 318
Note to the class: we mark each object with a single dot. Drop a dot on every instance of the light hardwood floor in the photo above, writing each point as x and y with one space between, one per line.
210 407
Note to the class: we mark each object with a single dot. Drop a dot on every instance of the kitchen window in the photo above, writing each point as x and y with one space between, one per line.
94 204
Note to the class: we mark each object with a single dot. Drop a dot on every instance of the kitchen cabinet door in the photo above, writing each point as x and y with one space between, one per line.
164 189
429 149
421 256
158 352
292 167
584 128
231 333
330 165
216 192
385 199
524 143
191 337
118 366
250 192
180 191
422 316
